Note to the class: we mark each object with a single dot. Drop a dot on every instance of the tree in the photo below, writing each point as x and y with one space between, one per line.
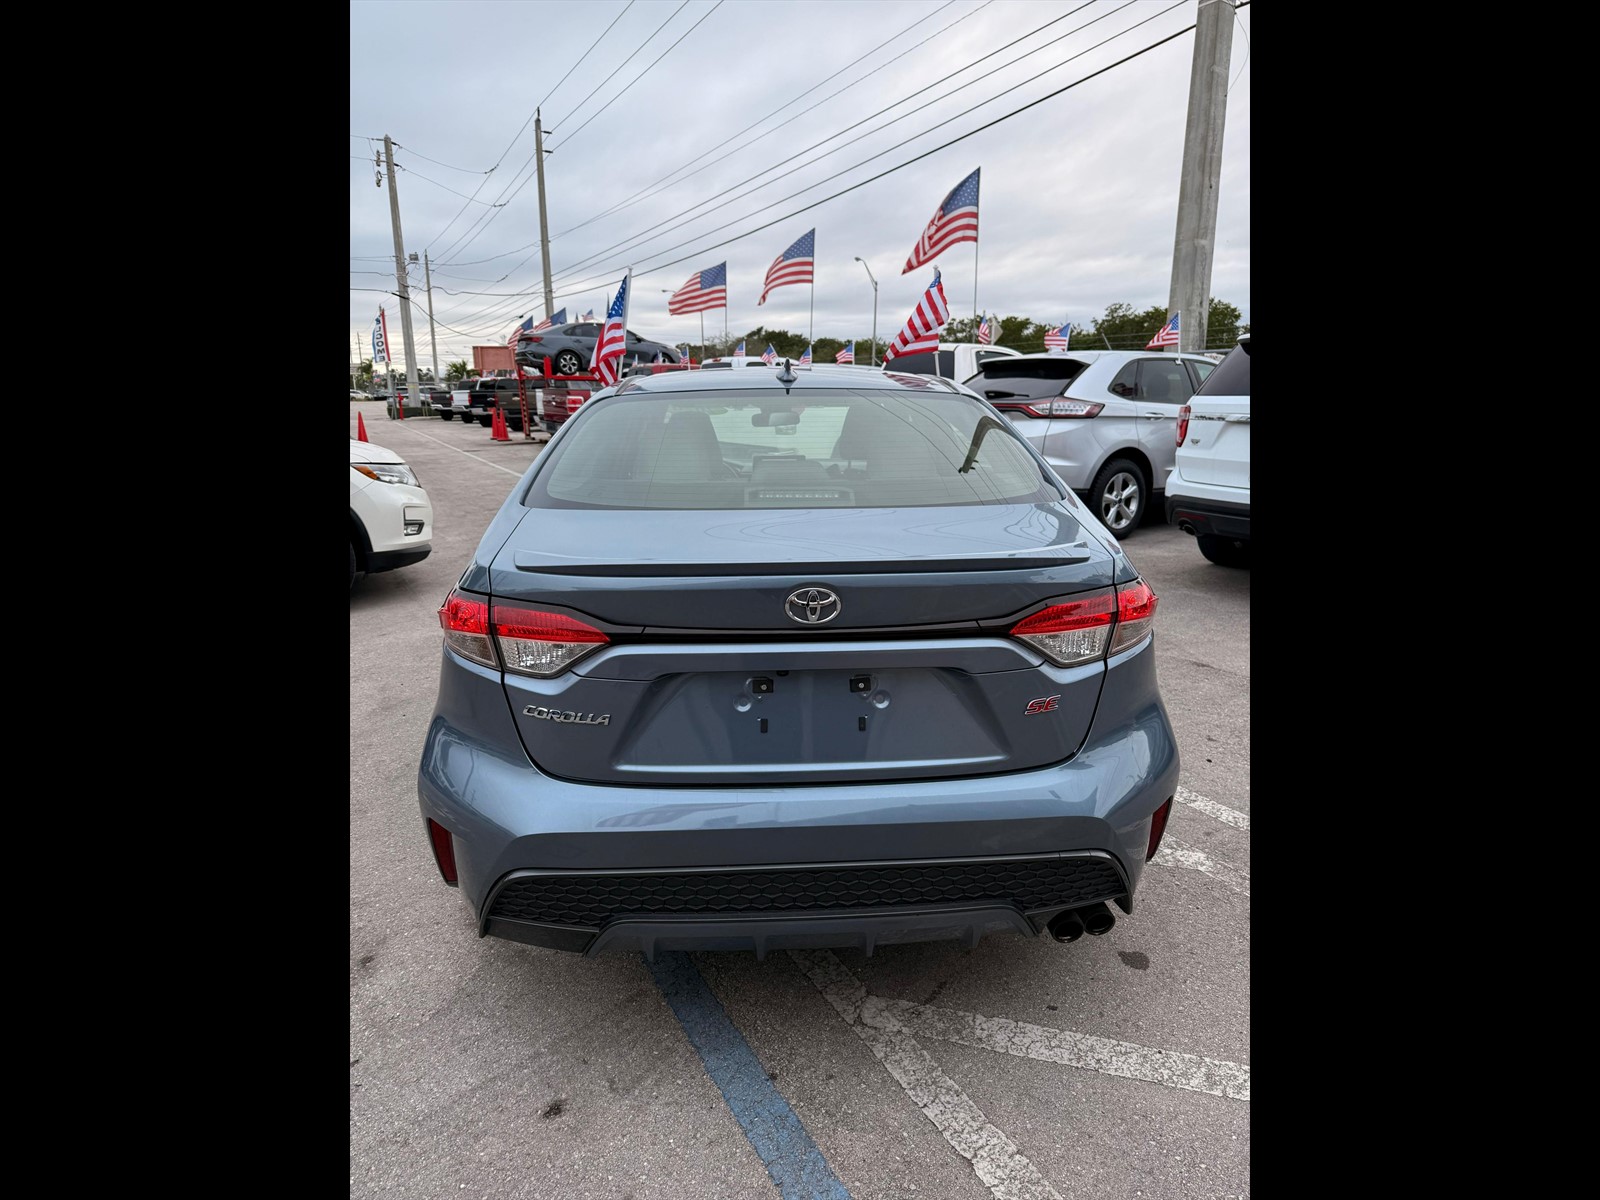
456 370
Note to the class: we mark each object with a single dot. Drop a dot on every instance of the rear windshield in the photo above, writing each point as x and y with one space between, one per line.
822 449
1027 378
1232 376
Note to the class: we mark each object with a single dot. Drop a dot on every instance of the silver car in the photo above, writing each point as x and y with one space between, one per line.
570 347
1106 420
780 659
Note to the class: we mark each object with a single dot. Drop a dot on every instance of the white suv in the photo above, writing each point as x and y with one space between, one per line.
1208 492
391 517
1103 419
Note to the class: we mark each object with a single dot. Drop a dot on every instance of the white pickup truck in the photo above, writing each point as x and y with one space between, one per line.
953 360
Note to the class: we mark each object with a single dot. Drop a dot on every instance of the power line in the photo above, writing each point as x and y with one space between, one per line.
644 72
425 158
654 267
417 174
723 143
624 62
897 146
585 54
687 219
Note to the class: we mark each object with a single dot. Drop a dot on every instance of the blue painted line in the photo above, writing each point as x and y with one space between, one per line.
791 1157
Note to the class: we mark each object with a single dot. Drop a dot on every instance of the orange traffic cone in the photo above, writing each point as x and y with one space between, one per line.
497 431
361 429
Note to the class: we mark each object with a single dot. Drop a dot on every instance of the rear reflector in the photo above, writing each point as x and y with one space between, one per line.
444 850
465 621
1051 408
542 644
1073 632
1158 826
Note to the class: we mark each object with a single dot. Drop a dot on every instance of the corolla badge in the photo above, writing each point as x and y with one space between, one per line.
566 718
812 606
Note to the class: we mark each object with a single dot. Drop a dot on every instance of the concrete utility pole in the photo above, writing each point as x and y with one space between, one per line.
1195 243
544 221
415 389
433 345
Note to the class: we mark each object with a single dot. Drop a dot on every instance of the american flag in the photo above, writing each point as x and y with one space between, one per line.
916 381
1056 339
921 331
704 290
769 355
805 359
516 334
954 223
739 349
797 264
559 319
1167 335
588 316
608 347
984 335
847 355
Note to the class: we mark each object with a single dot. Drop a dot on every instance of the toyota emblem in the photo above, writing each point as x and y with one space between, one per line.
812 606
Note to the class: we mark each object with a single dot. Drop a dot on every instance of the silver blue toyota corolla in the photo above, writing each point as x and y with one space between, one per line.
761 660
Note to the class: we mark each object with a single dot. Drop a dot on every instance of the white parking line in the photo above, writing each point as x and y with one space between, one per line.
1171 1068
1004 1169
459 450
1228 816
1174 853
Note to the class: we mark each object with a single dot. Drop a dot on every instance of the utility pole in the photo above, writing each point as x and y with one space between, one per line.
415 388
1195 243
433 345
544 221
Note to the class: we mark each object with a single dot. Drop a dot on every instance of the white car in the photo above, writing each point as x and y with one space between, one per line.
1106 420
391 517
1208 492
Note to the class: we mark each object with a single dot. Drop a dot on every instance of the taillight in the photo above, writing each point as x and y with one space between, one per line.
1158 826
465 622
1183 423
541 643
1136 614
1093 626
444 850
1071 633
1054 408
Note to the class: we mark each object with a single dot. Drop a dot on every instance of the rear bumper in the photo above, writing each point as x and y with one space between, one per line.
1205 518
590 867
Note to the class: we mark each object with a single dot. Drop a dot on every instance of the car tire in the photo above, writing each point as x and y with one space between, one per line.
487 420
352 564
445 414
568 363
1225 552
1119 495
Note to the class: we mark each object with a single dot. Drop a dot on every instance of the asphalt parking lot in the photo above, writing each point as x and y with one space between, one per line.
1115 1066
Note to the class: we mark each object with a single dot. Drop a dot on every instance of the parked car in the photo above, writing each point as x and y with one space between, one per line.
910 694
391 517
953 360
461 398
485 393
355 395
436 399
1208 492
570 347
1104 419
739 360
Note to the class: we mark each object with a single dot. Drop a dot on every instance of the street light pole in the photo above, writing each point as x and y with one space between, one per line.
874 279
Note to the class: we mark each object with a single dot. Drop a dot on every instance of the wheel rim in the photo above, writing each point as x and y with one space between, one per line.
1119 503
567 364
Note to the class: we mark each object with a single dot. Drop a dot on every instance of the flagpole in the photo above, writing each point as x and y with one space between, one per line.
702 336
811 321
974 280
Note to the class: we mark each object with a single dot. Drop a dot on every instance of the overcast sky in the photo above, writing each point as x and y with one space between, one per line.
1079 193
